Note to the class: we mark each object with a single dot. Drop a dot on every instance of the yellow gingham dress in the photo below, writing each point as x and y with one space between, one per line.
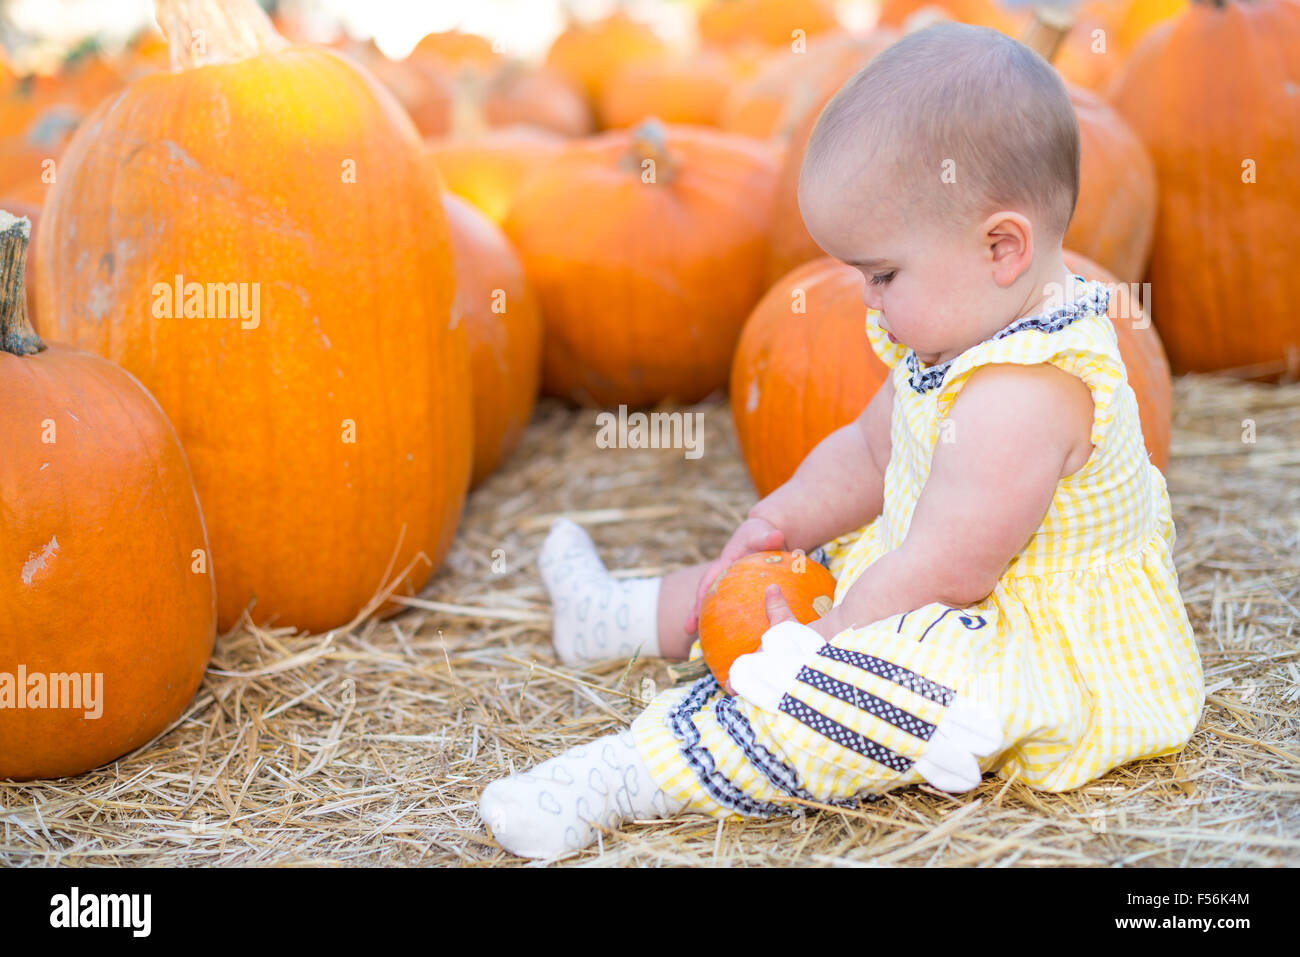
1083 650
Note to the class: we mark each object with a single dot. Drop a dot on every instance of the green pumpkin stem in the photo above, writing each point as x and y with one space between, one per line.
16 334
203 32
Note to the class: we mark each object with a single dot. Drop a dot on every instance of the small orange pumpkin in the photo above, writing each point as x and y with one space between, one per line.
733 615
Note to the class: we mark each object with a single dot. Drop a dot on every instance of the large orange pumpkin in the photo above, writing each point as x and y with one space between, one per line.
106 578
733 615
803 368
645 250
504 329
328 420
1224 282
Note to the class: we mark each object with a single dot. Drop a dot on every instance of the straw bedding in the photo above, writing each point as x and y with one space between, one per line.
370 745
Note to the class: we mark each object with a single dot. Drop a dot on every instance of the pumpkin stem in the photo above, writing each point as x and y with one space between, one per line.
16 334
1047 30
649 144
467 115
203 32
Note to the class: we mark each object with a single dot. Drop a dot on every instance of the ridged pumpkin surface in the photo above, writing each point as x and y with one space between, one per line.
645 273
330 444
797 376
1224 283
504 330
103 558
733 615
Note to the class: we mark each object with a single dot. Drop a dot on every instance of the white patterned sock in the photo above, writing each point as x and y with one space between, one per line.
561 805
595 617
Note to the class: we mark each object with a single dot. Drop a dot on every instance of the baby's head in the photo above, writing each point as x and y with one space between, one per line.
947 171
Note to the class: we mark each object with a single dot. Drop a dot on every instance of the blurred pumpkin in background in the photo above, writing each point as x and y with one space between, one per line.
589 54
504 331
771 23
487 167
645 250
910 14
1223 136
689 90
788 87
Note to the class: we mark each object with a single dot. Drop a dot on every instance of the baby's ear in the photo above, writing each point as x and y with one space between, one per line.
1009 238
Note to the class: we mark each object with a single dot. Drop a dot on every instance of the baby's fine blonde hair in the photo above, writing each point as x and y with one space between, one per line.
963 119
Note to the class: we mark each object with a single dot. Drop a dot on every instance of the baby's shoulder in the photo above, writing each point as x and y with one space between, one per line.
1043 404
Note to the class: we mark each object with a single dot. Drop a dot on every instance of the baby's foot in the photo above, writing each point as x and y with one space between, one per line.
560 805
595 617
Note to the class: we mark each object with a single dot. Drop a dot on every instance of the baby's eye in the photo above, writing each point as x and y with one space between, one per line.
881 278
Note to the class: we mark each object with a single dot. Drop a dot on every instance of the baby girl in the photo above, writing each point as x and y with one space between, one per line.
1006 598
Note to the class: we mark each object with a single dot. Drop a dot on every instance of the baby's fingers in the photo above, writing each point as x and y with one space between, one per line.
706 582
777 610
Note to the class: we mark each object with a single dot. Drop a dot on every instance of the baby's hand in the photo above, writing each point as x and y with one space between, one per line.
753 535
765 674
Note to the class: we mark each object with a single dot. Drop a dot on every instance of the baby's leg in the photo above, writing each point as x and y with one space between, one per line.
597 617
560 805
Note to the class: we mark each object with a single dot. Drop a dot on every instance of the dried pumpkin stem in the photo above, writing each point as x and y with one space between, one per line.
649 142
1047 30
16 334
204 32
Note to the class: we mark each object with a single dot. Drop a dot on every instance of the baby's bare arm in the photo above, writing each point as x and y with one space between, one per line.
840 485
1016 431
